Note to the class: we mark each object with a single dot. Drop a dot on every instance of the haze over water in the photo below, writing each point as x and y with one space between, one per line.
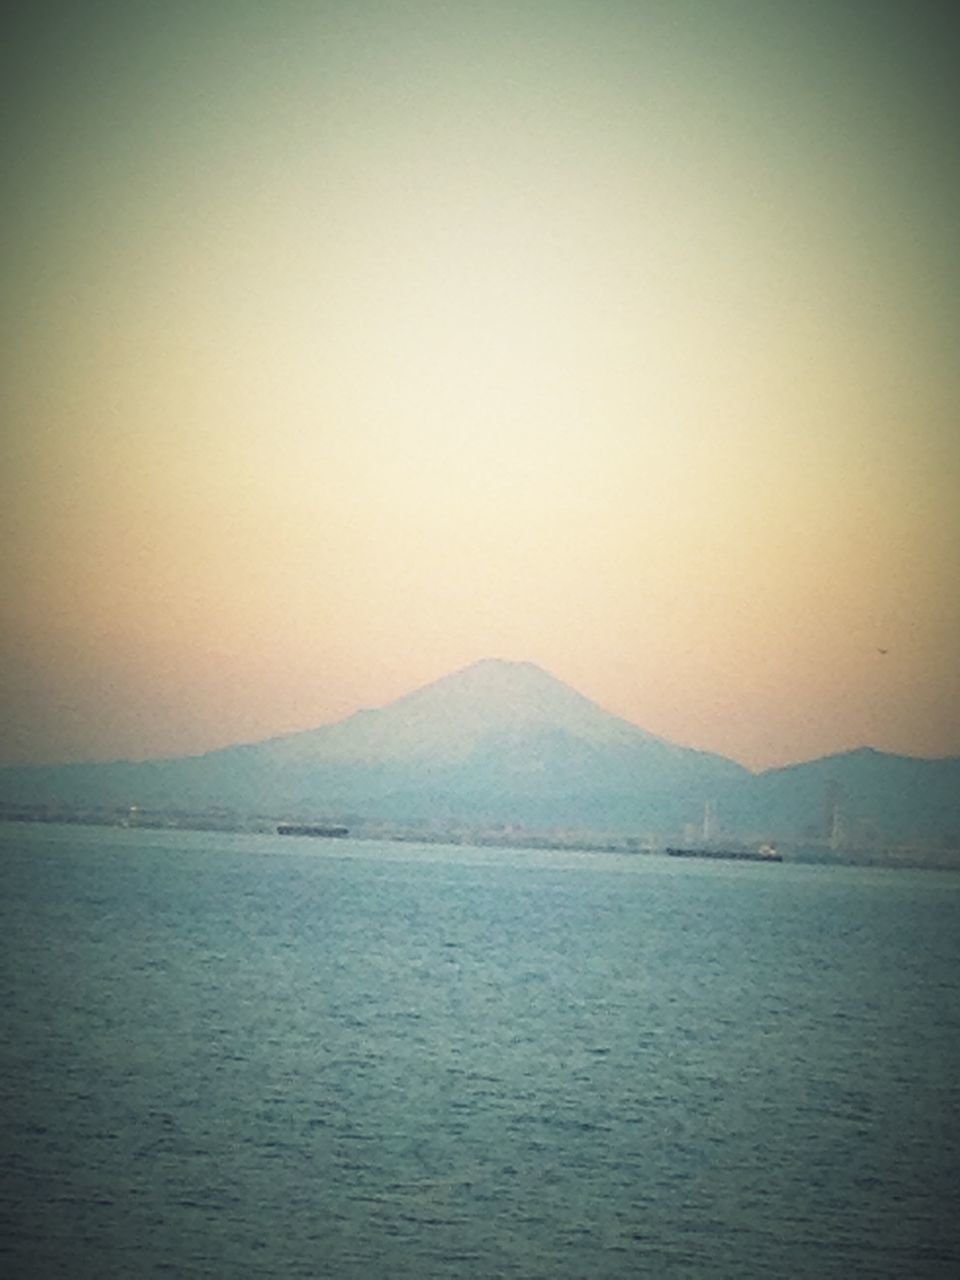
244 1056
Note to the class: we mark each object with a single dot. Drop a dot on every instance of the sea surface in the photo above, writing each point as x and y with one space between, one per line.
247 1056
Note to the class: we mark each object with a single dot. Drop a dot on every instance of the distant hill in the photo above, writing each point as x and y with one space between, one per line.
870 796
507 743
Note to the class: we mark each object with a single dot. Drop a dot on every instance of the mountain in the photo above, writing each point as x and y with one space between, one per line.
507 743
495 742
865 796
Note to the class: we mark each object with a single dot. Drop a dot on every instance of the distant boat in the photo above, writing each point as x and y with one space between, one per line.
297 829
766 853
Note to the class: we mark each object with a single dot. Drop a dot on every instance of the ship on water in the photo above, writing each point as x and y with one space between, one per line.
710 846
309 829
766 853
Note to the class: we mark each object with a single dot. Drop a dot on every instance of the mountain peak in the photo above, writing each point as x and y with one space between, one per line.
501 668
497 692
490 676
448 718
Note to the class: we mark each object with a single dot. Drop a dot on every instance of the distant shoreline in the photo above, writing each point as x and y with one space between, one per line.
934 859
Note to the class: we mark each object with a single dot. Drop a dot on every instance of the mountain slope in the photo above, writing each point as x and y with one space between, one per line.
446 719
497 741
504 742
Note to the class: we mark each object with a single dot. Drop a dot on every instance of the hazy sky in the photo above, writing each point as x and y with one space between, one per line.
346 343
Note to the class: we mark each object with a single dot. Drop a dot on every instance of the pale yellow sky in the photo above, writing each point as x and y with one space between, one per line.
349 344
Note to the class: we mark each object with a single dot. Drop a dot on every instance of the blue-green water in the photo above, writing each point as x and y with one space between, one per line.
248 1056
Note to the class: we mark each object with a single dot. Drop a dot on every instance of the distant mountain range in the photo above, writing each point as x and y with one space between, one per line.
506 743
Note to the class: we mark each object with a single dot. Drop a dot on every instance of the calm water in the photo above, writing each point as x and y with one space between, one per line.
248 1056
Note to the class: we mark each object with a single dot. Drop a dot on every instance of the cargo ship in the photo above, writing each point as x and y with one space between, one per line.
299 829
766 853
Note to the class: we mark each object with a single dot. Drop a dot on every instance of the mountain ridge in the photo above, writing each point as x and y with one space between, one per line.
446 715
500 741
